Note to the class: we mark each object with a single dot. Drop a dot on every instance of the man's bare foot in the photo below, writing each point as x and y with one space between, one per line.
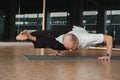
24 35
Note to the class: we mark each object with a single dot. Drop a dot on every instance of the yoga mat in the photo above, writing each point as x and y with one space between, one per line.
45 57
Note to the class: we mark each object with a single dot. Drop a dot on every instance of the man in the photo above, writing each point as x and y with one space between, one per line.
75 39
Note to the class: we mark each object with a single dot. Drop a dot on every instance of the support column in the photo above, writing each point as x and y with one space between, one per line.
81 13
100 20
44 19
76 13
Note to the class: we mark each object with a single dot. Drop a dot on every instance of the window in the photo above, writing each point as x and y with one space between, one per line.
113 24
90 20
28 21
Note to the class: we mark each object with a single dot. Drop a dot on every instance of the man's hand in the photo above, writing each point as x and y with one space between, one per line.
104 58
57 53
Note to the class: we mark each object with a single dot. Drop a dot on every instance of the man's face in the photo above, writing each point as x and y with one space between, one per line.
69 44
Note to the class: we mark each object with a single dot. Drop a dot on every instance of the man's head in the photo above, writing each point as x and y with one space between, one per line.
70 41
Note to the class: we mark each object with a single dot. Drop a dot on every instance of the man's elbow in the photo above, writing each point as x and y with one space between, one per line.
108 38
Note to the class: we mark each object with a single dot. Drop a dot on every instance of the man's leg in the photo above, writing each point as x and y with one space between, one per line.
25 35
37 37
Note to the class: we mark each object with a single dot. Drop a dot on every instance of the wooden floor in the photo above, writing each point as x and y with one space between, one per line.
13 65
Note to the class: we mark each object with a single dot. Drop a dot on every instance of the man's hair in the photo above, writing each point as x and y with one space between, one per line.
73 37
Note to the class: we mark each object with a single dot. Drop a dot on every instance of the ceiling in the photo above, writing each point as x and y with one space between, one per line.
30 6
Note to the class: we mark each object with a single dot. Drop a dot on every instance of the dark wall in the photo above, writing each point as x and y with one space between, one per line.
1 24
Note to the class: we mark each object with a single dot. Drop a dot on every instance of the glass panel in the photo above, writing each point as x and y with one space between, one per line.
90 20
113 25
58 20
28 21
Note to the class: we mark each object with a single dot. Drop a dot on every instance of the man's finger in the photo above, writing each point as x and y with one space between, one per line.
103 58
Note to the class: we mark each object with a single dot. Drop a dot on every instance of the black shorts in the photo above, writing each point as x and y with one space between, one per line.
46 39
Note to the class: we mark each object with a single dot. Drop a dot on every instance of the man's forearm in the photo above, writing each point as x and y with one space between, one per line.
109 42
